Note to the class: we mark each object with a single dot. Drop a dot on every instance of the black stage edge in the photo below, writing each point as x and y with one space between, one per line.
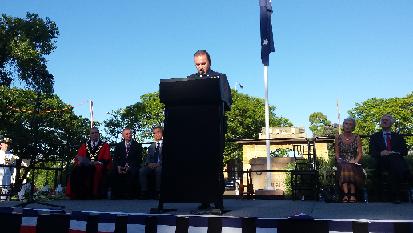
160 209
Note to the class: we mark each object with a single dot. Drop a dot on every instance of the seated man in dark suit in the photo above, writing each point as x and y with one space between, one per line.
126 160
389 149
152 163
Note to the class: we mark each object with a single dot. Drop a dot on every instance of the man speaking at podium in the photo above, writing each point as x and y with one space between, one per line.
202 62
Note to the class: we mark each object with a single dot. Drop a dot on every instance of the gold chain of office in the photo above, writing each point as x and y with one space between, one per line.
93 156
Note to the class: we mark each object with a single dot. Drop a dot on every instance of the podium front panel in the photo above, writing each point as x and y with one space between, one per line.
192 153
195 91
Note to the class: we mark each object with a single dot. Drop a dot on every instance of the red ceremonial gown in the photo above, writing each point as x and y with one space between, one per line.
90 169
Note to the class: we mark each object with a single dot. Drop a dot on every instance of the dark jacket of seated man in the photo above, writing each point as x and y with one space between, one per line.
127 159
388 149
152 163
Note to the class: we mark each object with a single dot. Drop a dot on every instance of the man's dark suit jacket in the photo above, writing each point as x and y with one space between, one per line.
377 144
151 158
134 158
227 99
225 89
396 165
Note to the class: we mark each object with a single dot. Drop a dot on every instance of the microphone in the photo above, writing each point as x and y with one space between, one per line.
201 72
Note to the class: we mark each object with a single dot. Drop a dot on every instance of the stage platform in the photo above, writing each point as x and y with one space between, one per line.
242 216
249 208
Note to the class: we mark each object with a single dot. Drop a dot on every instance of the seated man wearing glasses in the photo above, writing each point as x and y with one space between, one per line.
152 164
90 169
127 158
388 149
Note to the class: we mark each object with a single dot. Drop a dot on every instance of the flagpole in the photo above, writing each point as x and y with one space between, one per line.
91 113
338 117
267 46
267 129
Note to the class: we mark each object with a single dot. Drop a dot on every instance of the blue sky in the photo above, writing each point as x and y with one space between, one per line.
115 51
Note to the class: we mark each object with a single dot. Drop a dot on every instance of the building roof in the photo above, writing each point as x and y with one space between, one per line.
283 141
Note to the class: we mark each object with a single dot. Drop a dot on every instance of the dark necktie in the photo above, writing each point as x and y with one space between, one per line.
388 142
158 146
127 148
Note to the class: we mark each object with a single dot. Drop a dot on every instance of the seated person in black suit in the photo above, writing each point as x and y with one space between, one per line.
389 149
152 163
126 160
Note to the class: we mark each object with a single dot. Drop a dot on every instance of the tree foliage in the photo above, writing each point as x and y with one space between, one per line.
245 120
321 126
40 126
247 117
141 117
23 46
369 113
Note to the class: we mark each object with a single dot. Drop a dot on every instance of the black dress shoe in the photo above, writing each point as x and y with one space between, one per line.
219 204
204 206
144 196
220 207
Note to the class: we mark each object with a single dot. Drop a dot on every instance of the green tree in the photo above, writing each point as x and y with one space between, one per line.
23 46
245 120
247 117
153 114
321 126
369 112
49 133
141 117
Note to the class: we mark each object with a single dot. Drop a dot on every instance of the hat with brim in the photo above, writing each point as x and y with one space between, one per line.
5 140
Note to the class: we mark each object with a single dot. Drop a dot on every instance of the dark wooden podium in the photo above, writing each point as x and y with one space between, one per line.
193 140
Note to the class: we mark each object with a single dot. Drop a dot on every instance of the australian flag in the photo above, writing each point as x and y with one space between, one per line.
267 42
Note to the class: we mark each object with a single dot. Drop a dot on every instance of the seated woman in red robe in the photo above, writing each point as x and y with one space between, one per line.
90 169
